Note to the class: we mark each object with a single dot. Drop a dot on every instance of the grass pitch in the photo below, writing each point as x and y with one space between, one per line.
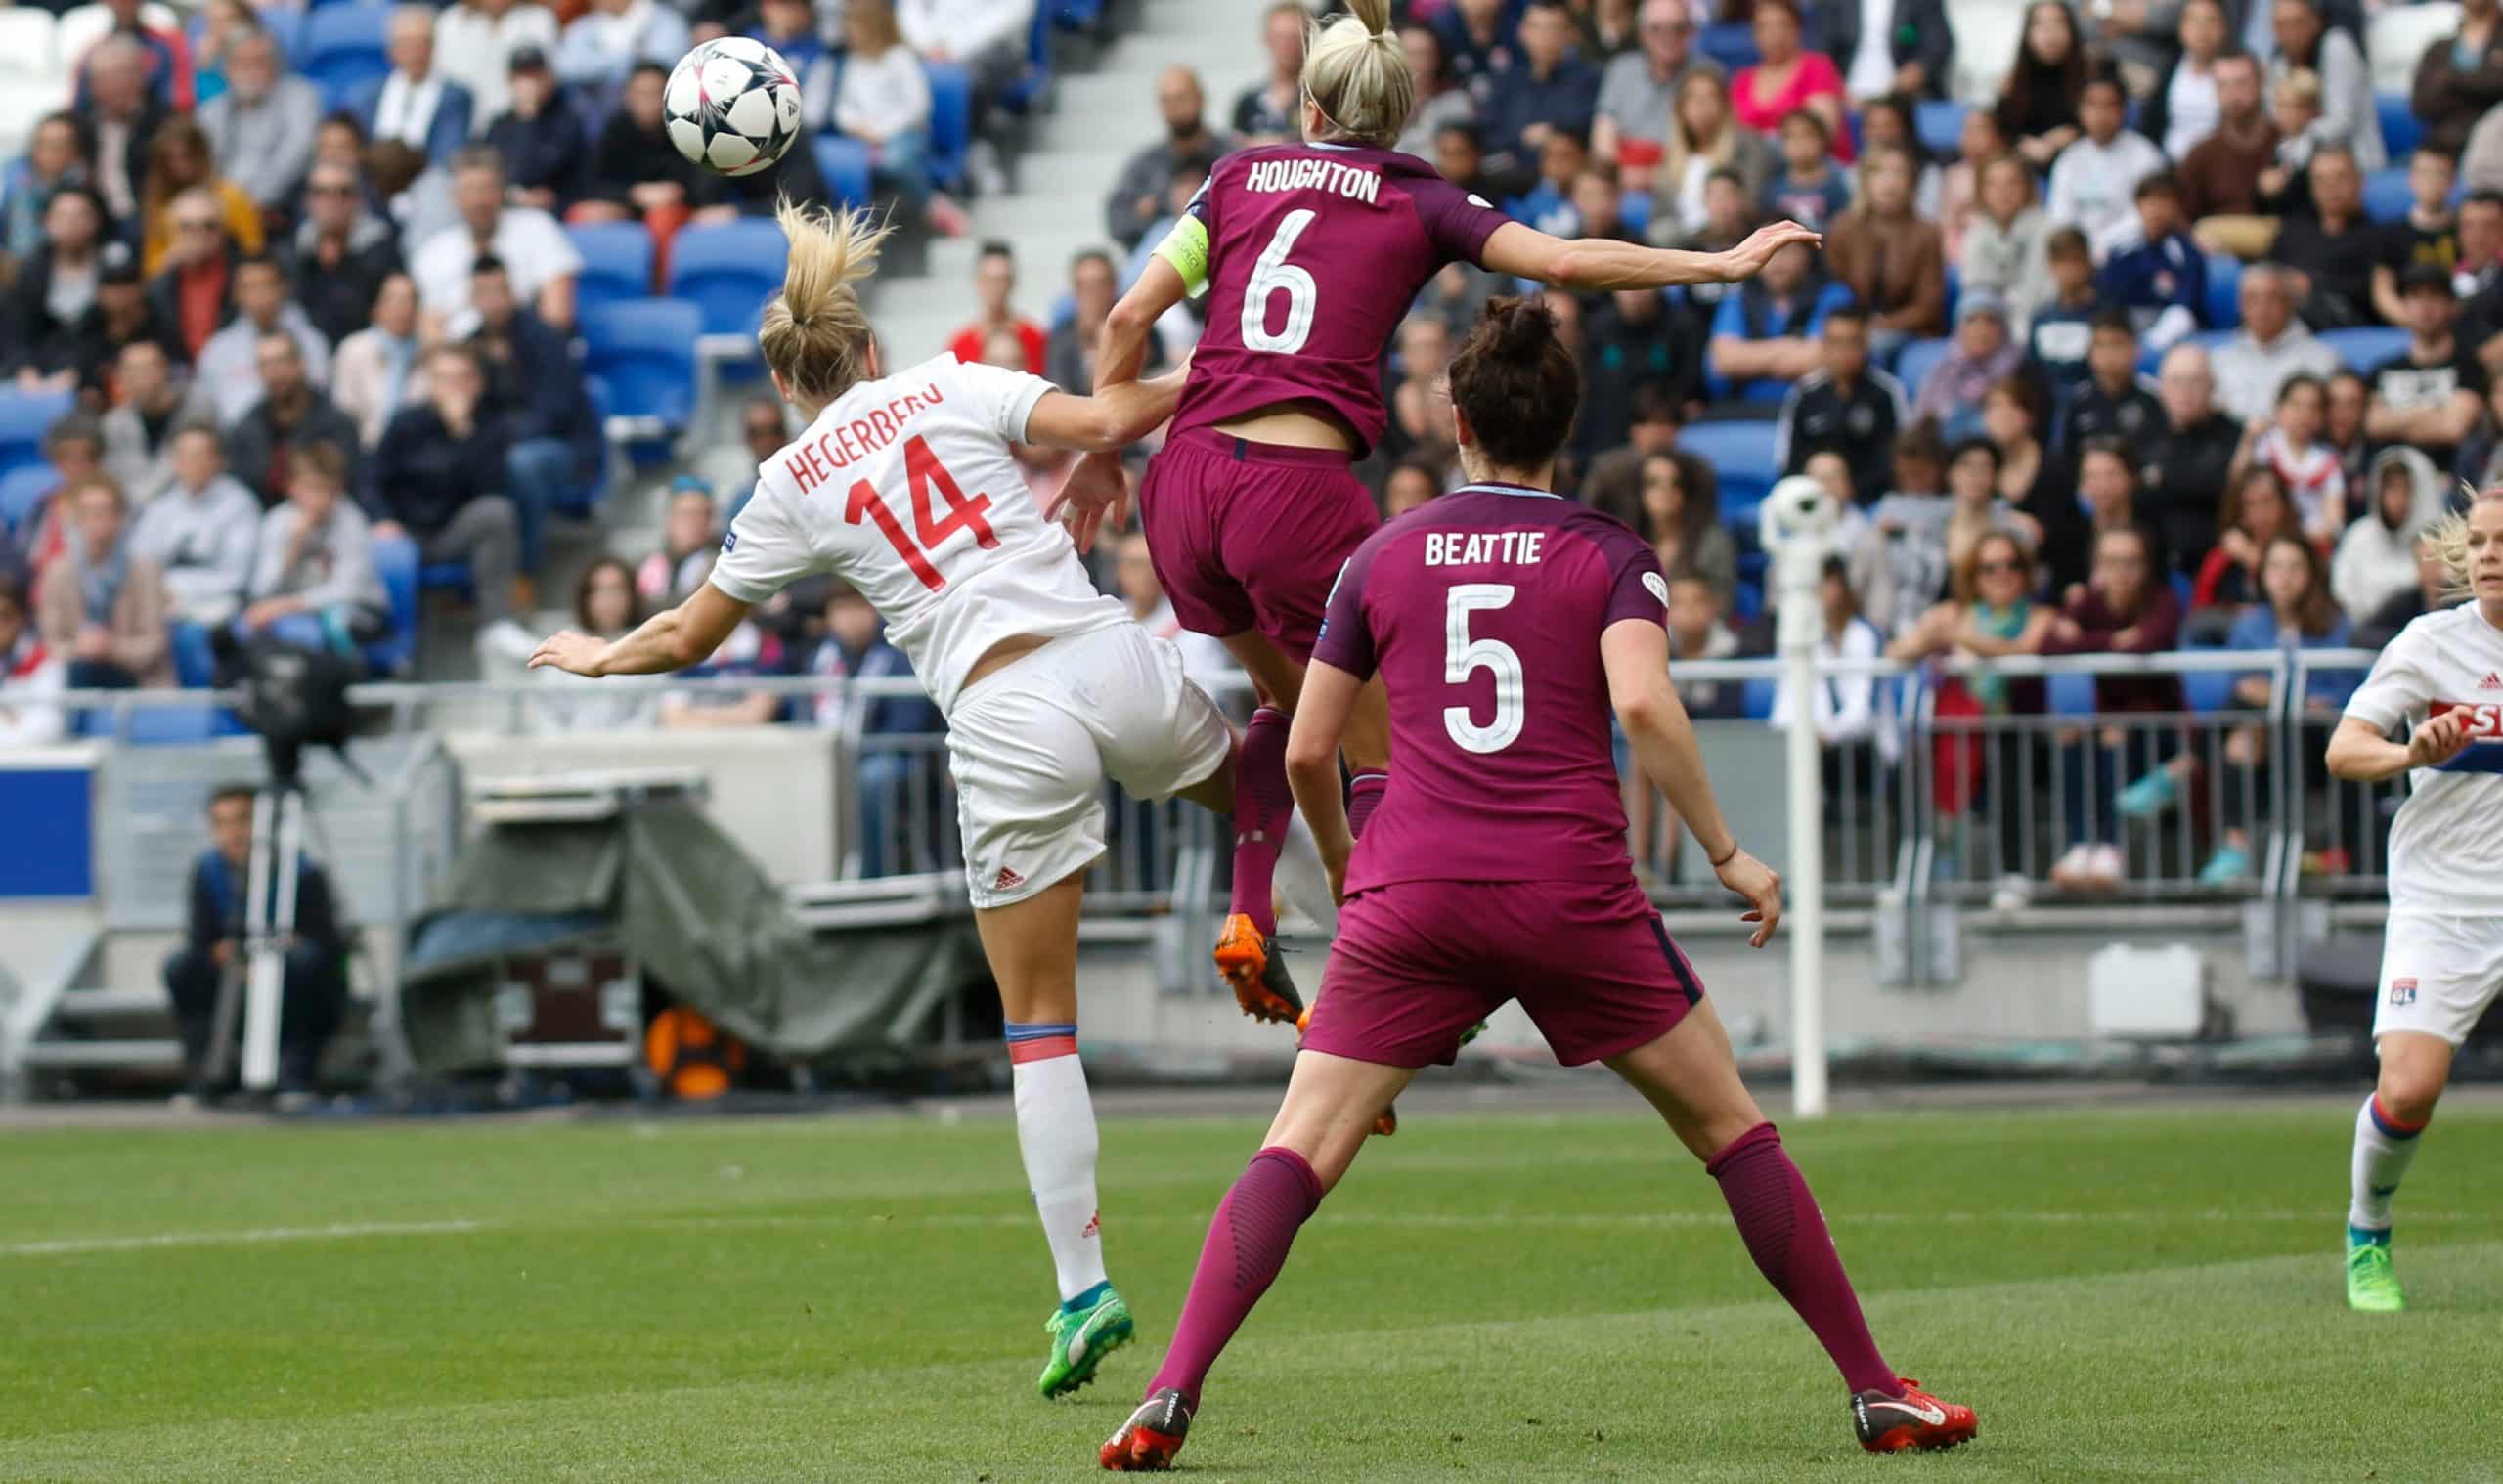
2146 1295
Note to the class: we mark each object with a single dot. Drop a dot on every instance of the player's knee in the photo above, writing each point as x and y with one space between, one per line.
2407 1094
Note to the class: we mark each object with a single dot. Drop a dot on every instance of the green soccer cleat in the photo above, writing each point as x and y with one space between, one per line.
1081 1338
2372 1284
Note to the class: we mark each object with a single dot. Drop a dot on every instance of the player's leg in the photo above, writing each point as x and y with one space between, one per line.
1263 807
1691 1076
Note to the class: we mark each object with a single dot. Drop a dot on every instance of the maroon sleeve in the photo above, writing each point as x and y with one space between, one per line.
1347 635
1636 588
1455 222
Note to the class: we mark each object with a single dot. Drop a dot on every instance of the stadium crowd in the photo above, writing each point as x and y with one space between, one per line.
2159 328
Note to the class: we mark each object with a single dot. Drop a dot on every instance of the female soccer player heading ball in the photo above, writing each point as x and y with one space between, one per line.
1508 625
2442 963
904 486
1310 254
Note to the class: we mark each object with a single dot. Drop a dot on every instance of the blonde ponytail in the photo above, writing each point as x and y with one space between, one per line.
815 333
1355 71
2449 538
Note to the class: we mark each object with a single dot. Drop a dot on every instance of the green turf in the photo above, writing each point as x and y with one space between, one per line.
2123 1296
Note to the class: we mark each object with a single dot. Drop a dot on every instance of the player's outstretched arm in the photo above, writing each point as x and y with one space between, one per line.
1113 418
1120 353
2359 753
1596 263
1321 714
684 635
1635 653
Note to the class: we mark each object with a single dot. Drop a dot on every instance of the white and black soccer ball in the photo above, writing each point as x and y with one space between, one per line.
733 106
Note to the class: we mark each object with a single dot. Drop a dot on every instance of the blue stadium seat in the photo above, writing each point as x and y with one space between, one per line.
194 662
2386 194
1955 291
22 491
617 262
1938 122
646 351
1915 361
952 122
2401 132
24 419
2364 348
174 725
1741 452
395 563
845 164
1732 44
341 49
2206 690
445 577
2225 291
1035 84
1077 15
1761 693
1633 211
2071 695
728 272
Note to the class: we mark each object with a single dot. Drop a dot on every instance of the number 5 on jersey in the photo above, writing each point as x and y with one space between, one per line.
1465 656
922 470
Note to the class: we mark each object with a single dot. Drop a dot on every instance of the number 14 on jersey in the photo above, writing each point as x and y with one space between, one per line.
922 473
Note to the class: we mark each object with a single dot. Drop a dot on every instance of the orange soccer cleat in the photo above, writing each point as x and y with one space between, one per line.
1915 1419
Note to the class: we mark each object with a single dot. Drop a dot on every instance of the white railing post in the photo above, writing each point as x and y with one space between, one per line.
1797 522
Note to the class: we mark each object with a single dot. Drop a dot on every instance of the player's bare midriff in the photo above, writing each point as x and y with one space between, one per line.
1292 424
1000 656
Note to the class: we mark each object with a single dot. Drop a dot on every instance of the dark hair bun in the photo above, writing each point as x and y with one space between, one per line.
1516 384
1522 328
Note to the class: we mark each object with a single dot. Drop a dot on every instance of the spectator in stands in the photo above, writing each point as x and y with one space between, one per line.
2006 237
2375 563
2096 177
605 607
124 118
2184 106
1705 137
2256 511
2220 174
1411 483
379 370
1845 709
690 538
1809 189
2186 457
1765 333
2429 236
1266 112
290 416
1137 199
1419 424
312 987
1960 182
884 102
218 26
2458 82
166 58
260 129
531 376
1891 47
790 28
855 648
1894 262
1550 89
414 103
101 607
636 172
228 365
60 153
437 478
2330 252
994 287
1894 121
1631 340
1477 39
30 677
124 314
1982 357
1918 532
2017 420
340 253
74 446
1697 631
2429 396
2125 607
1789 79
2107 485
139 429
2039 104
179 165
2157 274
2291 444
1638 93
477 39
2060 331
1068 354
188 294
2112 401
2272 346
751 651
2480 461
1613 480
762 431
2349 404
539 137
602 44
536 253
987 37
49 322
1440 100
2478 273
2433 591
1846 406
199 532
1681 517
2305 42
313 578
2294 104
1547 206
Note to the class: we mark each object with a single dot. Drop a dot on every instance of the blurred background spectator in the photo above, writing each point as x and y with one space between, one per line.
139 430
227 363
29 676
199 532
994 287
101 608
290 416
1270 112
1137 198
380 368
475 41
313 576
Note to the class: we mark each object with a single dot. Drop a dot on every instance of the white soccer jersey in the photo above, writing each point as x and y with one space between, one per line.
905 487
2445 848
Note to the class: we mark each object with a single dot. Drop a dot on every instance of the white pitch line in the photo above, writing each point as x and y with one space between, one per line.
73 1245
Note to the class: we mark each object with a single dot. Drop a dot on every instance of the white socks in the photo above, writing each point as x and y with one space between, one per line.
1056 1135
2383 1148
1303 881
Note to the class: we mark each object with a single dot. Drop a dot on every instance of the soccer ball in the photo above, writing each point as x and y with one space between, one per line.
733 106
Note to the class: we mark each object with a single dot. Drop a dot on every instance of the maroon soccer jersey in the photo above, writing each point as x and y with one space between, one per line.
1315 253
1482 613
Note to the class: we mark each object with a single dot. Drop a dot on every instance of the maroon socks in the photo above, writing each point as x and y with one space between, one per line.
1364 794
1248 1240
1263 806
1786 1234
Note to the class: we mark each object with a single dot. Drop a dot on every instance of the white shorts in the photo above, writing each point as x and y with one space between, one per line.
1031 746
2439 974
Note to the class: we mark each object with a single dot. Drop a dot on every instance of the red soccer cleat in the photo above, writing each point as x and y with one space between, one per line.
1148 1441
1915 1419
1258 974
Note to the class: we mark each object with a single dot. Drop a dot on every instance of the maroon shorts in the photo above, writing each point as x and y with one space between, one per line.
1252 535
1417 962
